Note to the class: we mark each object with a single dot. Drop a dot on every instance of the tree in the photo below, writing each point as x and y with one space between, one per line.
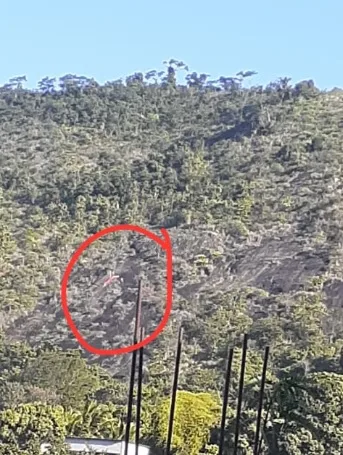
47 85
195 415
23 428
64 372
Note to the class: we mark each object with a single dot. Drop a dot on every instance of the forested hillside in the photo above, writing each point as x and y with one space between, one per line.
248 182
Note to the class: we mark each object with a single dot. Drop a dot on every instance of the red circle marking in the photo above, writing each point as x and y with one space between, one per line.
164 243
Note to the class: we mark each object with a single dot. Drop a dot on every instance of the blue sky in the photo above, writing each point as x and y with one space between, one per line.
108 39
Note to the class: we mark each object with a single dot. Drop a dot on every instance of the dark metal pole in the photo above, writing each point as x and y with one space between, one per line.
240 393
260 405
139 392
174 391
270 404
130 402
225 400
138 319
133 367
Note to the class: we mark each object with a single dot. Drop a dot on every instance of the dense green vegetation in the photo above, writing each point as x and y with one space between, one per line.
248 183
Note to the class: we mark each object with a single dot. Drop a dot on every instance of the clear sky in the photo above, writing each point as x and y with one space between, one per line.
108 39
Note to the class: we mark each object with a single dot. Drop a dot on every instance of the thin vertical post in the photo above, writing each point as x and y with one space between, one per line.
133 367
139 392
174 392
264 425
240 393
138 320
225 400
260 405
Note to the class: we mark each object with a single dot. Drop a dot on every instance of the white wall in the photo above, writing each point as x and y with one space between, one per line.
103 446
